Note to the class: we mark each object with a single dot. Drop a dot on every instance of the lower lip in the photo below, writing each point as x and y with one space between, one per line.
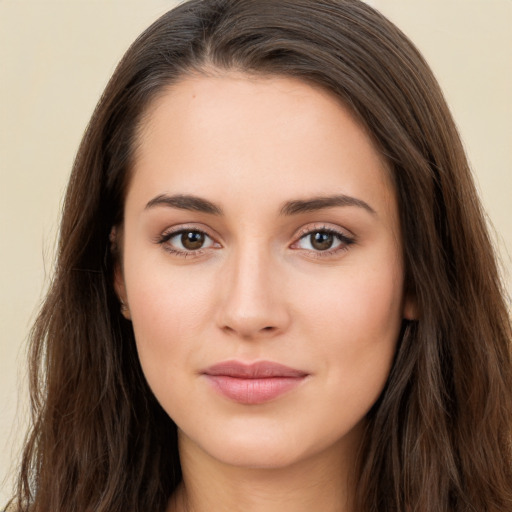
253 391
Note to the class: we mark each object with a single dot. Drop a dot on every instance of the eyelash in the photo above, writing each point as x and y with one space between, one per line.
345 241
167 236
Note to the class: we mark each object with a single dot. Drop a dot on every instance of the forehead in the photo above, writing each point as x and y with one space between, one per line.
237 133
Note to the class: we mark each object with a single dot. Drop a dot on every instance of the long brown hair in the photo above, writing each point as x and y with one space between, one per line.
439 437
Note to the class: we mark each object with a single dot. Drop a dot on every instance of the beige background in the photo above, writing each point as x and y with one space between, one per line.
55 59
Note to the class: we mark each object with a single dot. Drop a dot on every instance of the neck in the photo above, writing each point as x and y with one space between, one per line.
321 482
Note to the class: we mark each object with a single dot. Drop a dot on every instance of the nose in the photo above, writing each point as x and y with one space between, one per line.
253 296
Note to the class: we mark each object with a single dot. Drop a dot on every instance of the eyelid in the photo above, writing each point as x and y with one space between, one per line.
344 236
166 235
324 226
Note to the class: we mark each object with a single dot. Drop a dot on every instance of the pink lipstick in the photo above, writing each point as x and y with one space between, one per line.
253 384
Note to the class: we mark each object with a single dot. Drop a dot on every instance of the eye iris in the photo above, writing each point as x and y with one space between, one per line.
322 241
192 240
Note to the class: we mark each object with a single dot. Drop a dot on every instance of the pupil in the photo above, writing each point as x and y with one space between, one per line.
192 240
322 241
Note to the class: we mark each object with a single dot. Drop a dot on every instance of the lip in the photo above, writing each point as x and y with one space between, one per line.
255 383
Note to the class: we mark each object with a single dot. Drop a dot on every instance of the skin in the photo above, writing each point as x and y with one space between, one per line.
259 288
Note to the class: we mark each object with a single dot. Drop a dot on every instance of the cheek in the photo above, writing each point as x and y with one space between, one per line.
168 311
358 305
355 326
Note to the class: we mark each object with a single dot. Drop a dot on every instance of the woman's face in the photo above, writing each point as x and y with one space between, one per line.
261 265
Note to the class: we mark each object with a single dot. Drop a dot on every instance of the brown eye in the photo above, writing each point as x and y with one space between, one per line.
321 240
192 240
186 242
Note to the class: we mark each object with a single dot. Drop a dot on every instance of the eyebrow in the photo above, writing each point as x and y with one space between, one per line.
320 203
198 204
185 202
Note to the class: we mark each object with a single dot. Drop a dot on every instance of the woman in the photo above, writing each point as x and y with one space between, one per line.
275 289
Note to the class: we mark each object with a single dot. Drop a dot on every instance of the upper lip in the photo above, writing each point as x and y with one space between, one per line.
257 370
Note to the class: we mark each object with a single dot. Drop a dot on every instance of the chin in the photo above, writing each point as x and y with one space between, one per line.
263 448
259 455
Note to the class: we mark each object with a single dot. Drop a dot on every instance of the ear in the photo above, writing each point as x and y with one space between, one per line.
119 284
410 307
120 289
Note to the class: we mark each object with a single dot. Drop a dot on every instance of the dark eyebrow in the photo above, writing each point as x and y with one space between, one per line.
185 202
319 203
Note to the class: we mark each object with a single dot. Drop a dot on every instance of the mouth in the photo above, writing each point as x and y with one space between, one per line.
253 384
